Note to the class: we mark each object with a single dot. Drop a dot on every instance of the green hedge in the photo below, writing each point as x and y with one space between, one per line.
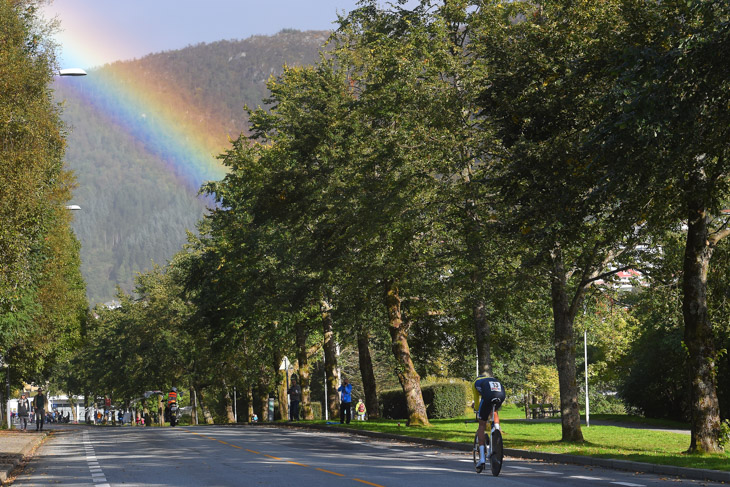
447 399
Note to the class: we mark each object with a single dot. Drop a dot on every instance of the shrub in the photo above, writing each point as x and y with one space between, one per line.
444 399
393 404
316 409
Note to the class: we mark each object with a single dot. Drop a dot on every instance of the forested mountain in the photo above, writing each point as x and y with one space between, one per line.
136 202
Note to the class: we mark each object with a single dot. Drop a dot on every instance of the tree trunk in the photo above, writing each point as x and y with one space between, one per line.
249 402
407 375
72 405
280 385
194 404
367 374
263 393
305 406
229 404
698 334
160 411
204 407
330 359
482 332
563 318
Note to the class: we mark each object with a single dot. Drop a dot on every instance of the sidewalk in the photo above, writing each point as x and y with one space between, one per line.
14 446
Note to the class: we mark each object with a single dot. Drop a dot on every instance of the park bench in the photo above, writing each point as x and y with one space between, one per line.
538 411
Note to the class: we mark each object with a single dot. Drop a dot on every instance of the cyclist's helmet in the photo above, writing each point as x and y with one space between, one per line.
174 389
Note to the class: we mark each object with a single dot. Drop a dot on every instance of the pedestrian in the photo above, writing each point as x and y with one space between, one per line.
295 396
39 406
345 401
23 411
360 409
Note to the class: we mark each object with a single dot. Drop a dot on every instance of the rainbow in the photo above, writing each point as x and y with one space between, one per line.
156 112
159 114
152 108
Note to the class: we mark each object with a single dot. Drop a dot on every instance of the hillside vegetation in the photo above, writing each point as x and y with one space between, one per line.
135 210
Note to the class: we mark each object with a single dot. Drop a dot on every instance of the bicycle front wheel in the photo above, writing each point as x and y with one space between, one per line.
497 456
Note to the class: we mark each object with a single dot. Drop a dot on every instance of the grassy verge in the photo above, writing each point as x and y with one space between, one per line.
632 444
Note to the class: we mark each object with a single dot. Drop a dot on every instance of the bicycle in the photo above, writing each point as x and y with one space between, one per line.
495 451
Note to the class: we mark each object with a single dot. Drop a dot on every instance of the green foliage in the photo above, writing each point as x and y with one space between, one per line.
42 293
725 433
542 381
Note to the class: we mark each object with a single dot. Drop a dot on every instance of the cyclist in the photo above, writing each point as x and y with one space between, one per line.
485 390
172 397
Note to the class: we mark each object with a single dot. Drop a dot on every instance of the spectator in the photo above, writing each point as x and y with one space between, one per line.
345 401
23 410
39 406
360 409
295 395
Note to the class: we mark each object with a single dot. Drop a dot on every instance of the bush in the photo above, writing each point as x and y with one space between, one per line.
316 409
444 399
393 404
656 385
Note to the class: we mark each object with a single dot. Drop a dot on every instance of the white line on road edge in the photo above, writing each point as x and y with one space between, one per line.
97 476
583 477
628 484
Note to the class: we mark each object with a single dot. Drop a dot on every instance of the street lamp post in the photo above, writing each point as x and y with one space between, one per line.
585 352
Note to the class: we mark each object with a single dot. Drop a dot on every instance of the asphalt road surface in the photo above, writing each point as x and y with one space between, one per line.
265 456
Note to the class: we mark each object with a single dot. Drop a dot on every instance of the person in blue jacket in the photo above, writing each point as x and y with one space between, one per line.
345 401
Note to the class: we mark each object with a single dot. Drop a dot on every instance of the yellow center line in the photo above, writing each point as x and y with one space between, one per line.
333 473
287 461
366 482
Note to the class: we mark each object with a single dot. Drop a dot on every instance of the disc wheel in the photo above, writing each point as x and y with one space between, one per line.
495 460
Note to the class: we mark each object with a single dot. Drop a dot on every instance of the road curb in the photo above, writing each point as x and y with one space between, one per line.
685 472
11 462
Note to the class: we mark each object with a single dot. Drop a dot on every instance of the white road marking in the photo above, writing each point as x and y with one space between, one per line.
583 477
548 472
628 484
97 475
518 468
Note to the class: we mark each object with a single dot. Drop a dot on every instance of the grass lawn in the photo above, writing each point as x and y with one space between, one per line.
600 441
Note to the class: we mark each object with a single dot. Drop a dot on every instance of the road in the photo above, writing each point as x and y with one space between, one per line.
263 456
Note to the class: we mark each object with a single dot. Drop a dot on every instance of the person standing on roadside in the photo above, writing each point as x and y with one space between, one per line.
360 410
23 411
39 405
345 401
295 396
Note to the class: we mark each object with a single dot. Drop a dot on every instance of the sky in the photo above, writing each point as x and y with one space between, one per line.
96 32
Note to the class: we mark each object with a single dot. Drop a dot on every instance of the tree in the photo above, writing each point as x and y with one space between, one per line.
665 135
544 76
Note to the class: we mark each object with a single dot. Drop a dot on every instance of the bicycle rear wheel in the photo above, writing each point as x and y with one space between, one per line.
495 460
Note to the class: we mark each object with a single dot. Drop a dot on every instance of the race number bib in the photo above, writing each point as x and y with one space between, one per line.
495 386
